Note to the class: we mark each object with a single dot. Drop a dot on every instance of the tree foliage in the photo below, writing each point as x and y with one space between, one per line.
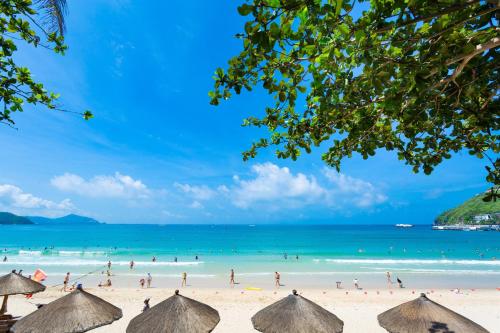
21 23
418 77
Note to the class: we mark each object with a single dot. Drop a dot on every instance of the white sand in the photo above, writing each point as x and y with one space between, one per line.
236 306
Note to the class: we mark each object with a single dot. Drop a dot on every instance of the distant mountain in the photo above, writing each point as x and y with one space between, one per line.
68 219
9 218
473 211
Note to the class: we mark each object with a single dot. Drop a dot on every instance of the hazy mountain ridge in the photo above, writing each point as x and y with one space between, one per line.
68 219
9 218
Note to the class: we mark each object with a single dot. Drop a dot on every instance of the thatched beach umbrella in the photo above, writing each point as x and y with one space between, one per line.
15 284
76 312
296 314
423 316
176 314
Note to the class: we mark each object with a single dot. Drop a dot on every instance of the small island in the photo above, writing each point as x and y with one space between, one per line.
473 215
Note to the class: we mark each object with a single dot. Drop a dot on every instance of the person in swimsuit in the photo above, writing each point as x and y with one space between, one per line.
66 281
277 277
231 278
184 279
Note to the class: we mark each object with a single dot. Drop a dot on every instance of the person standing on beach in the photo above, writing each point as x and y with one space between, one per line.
109 264
389 281
149 280
277 277
356 283
146 305
4 258
65 282
231 278
132 264
142 282
184 279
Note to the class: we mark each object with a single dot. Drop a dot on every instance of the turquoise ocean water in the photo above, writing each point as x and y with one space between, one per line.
325 252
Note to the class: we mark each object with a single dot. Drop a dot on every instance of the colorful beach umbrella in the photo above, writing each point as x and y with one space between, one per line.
296 314
77 312
423 316
176 314
15 284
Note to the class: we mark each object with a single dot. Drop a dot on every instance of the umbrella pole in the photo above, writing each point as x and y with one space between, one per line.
4 305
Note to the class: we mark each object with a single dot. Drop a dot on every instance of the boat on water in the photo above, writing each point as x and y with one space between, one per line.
404 225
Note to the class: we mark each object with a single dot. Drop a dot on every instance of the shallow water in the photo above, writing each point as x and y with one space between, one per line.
325 253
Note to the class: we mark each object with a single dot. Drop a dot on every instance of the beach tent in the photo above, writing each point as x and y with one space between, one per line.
15 284
76 312
296 314
176 314
423 316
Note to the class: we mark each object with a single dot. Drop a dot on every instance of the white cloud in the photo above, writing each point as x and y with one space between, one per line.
196 205
196 192
14 199
115 186
272 184
353 190
275 188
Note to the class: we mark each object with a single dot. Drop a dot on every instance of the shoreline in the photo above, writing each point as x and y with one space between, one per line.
236 306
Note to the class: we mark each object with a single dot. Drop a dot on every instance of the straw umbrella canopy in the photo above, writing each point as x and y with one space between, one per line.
296 314
176 314
423 316
14 284
76 312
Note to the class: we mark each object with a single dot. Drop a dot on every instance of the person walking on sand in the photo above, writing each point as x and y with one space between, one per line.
149 280
356 283
132 263
142 282
231 278
66 281
389 281
184 279
277 277
400 283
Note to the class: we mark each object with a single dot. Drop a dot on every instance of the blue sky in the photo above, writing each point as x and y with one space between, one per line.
157 152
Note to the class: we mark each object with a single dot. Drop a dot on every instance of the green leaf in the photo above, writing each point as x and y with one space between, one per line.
245 9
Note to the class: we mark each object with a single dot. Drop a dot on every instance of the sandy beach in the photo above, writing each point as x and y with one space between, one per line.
236 306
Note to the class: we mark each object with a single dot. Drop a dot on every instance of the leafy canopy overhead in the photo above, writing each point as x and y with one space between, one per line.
21 23
420 77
